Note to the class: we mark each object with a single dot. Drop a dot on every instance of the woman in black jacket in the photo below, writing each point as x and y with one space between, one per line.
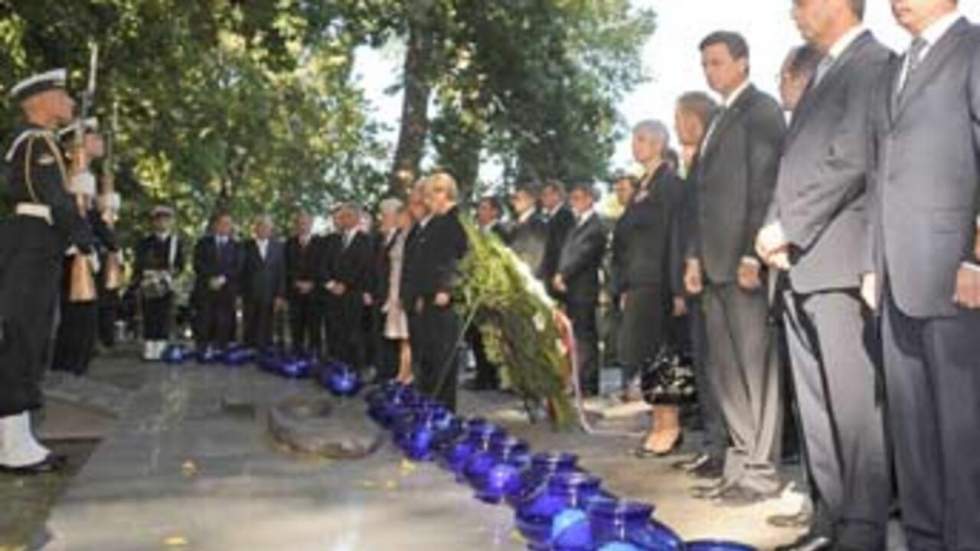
645 260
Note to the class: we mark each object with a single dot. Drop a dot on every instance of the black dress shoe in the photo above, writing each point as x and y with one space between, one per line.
50 464
740 496
712 469
691 463
807 542
710 491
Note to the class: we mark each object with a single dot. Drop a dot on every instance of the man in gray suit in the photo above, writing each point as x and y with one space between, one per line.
736 176
816 233
924 273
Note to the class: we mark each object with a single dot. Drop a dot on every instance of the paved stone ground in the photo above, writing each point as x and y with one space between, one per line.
189 465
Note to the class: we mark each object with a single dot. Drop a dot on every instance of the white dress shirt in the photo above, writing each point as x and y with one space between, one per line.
931 35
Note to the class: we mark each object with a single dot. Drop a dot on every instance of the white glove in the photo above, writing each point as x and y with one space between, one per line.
93 262
217 282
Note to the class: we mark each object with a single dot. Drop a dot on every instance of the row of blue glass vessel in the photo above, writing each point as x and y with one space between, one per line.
558 506
337 377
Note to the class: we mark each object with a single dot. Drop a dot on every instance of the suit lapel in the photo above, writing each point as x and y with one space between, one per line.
935 59
814 93
727 119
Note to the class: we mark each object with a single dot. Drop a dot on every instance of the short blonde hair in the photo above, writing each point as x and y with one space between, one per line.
444 181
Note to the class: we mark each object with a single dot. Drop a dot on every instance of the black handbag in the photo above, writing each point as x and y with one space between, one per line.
665 381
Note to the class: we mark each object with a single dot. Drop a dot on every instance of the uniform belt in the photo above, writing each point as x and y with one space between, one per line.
36 210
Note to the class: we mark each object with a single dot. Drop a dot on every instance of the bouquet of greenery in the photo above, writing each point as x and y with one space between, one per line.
519 322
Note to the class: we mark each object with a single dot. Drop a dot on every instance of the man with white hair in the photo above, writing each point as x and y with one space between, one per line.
263 283
348 278
32 244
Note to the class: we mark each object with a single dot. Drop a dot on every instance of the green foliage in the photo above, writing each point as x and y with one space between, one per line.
536 84
517 323
244 105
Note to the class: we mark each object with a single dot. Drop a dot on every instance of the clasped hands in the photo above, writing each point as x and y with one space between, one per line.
772 246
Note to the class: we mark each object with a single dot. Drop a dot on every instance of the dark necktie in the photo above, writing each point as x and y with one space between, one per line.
913 62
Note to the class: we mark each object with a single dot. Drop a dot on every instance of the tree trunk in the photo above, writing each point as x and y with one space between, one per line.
415 108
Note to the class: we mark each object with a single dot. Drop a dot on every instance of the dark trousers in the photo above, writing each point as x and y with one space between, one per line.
434 335
347 342
388 357
744 372
31 260
487 376
715 435
305 327
217 318
108 308
932 376
833 355
77 333
158 318
583 316
258 316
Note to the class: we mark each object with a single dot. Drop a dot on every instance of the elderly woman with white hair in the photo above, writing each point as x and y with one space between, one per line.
645 269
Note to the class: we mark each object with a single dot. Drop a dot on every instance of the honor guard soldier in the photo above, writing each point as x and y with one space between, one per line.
78 325
159 260
45 224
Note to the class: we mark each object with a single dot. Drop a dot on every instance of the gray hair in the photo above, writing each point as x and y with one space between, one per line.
654 128
391 204
265 220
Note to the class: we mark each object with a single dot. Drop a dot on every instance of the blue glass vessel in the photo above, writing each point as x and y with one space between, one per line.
294 367
556 517
340 379
630 524
175 354
475 439
494 472
543 466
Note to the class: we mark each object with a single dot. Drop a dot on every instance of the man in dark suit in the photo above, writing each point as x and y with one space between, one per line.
328 247
576 280
263 284
528 235
432 259
692 118
560 221
815 231
217 268
301 273
924 272
348 276
488 213
736 175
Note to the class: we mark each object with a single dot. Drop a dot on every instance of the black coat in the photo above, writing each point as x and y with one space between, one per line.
644 251
353 266
301 262
208 264
263 280
558 227
736 177
432 256
580 260
154 254
528 240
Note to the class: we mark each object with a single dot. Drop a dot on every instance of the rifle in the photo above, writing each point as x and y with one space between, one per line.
81 280
110 200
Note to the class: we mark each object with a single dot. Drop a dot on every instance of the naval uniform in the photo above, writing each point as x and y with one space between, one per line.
34 240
